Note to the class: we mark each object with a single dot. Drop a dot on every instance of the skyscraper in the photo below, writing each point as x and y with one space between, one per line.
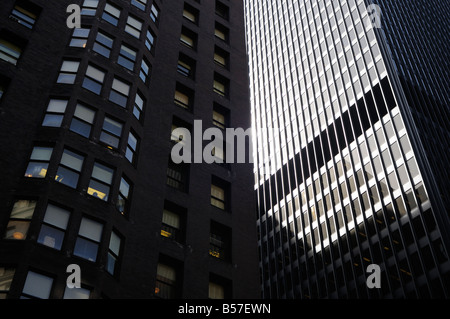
86 116
350 110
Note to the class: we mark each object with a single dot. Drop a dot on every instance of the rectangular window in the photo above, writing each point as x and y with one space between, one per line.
221 57
138 107
178 176
188 38
101 180
221 85
93 80
82 120
88 239
220 116
25 13
76 293
113 253
186 66
111 132
127 57
55 113
145 70
218 196
132 146
103 44
133 27
89 7
166 277
68 72
39 160
19 220
79 37
173 222
6 278
216 291
190 13
149 40
54 227
37 286
220 241
119 92
183 97
69 168
141 4
111 14
221 32
123 200
222 10
154 13
10 50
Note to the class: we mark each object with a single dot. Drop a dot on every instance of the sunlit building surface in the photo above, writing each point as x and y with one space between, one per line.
86 121
351 146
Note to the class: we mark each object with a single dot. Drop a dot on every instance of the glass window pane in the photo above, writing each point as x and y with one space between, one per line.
23 209
98 190
86 249
90 229
72 160
112 126
41 153
84 113
95 73
57 106
121 87
52 120
56 216
67 177
70 66
76 293
103 173
80 127
36 169
51 237
37 285
114 243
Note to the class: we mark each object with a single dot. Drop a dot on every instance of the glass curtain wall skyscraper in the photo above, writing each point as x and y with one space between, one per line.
350 145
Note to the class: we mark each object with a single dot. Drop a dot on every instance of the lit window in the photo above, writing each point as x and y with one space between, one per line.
89 7
79 37
219 242
37 286
216 291
124 196
132 145
55 113
113 253
100 183
219 119
94 79
217 196
9 51
25 13
6 278
103 44
19 220
154 13
53 227
68 72
89 237
82 120
127 57
119 93
165 281
69 168
171 225
141 4
111 14
39 160
133 27
111 132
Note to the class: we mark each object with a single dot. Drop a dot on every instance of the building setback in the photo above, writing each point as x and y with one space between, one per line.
86 117
356 172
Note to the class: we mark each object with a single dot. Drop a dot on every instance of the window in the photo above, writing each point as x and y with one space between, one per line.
222 10
141 4
101 180
94 79
138 105
133 27
220 85
89 7
53 227
220 242
149 40
177 176
132 145
111 132
103 44
38 164
186 66
154 13
166 278
113 253
220 116
79 37
145 70
111 14
218 196
221 57
221 32
119 92
188 38
82 120
55 113
10 49
68 72
37 286
6 278
123 198
76 293
178 123
25 13
88 239
183 97
173 222
216 291
190 13
127 57
69 168
19 220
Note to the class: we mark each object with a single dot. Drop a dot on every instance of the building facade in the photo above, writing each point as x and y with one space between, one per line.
86 116
350 113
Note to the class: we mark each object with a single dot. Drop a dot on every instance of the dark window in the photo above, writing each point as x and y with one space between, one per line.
220 242
82 120
25 13
222 10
